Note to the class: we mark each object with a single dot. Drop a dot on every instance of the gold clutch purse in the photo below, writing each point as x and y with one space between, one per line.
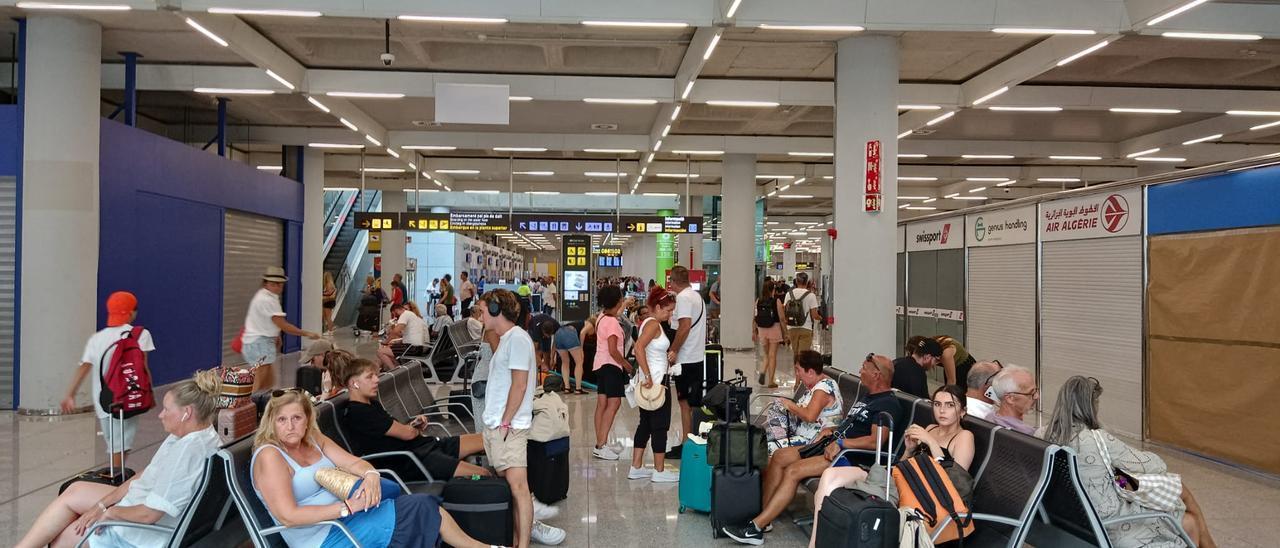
337 481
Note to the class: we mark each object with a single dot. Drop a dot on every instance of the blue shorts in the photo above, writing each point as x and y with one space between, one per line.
260 350
567 338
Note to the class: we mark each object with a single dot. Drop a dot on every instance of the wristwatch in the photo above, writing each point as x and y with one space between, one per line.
345 511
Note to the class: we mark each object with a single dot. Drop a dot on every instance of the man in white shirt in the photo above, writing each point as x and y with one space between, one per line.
508 411
688 352
408 332
122 308
262 327
466 292
977 404
800 335
549 297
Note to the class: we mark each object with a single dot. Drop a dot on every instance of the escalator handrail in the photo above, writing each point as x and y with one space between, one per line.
341 221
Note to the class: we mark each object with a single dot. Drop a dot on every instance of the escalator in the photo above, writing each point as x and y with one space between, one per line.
340 206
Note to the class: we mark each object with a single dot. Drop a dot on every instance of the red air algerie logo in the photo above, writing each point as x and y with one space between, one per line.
1115 213
946 230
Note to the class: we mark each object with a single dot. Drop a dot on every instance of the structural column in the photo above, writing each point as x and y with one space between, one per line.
58 266
394 250
737 249
313 239
789 261
693 242
864 263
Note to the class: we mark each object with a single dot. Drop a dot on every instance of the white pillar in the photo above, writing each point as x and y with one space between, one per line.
737 249
59 264
789 262
866 110
394 250
693 241
313 239
824 266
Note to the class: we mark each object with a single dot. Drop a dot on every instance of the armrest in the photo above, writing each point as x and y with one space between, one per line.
447 405
946 520
341 527
403 487
440 425
88 533
1173 524
401 454
450 415
844 452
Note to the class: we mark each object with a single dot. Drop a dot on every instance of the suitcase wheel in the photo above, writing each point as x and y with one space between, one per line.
681 508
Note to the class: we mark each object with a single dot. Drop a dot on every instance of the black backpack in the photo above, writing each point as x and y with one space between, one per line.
766 313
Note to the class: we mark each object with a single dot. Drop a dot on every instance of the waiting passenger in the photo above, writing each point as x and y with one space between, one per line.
768 329
909 371
1015 393
611 368
475 325
945 441
651 360
787 468
442 322
158 495
1074 423
817 409
288 451
321 354
408 334
566 341
956 361
979 381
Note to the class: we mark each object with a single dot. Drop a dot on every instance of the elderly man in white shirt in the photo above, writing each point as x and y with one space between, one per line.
263 324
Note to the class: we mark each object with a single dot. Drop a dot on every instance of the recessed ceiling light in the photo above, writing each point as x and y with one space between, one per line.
318 104
1213 137
396 155
1042 31
1143 152
193 24
711 48
991 96
775 176
536 173
75 7
1174 12
642 24
544 192
1026 109
699 152
1006 183
919 107
904 178
987 156
459 171
913 155
934 121
270 168
1265 126
738 103
234 91
348 123
970 198
1254 112
1084 52
1082 158
812 154
1213 36
606 193
268 12
795 196
986 179
678 175
519 149
480 191
1129 110
922 208
429 147
364 94
610 150
333 145
687 89
1058 180
814 28
440 19
617 101
519 98
1170 160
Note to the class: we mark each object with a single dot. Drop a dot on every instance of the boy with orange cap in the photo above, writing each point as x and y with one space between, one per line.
122 308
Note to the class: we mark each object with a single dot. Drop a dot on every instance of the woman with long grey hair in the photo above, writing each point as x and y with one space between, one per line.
1075 424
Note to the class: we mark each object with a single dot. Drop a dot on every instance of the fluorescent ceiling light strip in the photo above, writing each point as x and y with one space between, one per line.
519 149
1160 159
372 140
795 196
828 177
907 132
904 178
775 176
396 155
1082 158
334 145
413 166
459 171
951 196
676 112
1143 152
904 206
1254 112
603 174
1213 36
919 107
480 191
1058 180
641 24
922 208
383 170
270 168
1002 30
616 101
986 179
429 147
740 103
913 197
1213 137
348 123
234 91
688 88
446 19
678 175
699 152
800 180
783 188
364 94
650 158
1174 12
340 189
970 198
75 7
318 104
934 121
544 192
813 154
536 173
1265 126
814 28
1026 109
279 78
1006 183
991 96
978 189
666 130
930 200
657 145
664 194
270 12
217 39
711 48
1084 52
1132 110
987 156
733 8
519 98
913 155
603 193
610 150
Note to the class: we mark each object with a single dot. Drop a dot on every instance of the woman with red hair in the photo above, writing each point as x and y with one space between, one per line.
651 359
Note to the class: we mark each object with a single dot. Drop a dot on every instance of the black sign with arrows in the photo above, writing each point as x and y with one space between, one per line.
490 221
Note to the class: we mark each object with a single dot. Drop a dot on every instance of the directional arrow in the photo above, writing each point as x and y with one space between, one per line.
578 226
631 227
524 225
413 223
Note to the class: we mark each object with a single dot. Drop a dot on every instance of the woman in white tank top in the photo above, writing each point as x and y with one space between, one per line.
651 359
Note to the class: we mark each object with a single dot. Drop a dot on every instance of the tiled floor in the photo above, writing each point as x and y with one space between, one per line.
603 509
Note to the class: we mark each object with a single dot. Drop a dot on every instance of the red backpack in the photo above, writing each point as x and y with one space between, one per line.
126 382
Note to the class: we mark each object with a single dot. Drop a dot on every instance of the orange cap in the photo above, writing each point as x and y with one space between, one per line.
120 308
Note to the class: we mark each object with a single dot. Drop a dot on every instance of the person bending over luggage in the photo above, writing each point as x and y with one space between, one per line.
787 468
909 371
651 359
566 340
945 440
956 361
288 452
817 409
370 429
157 495
1074 423
408 333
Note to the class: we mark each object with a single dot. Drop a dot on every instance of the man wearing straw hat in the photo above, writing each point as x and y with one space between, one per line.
263 324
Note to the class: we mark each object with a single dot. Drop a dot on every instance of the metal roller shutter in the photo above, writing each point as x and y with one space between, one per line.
950 293
901 329
8 242
922 291
1091 323
1001 319
251 243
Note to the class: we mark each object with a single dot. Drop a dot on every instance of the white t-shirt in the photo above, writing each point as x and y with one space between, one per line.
975 407
809 302
169 482
415 328
514 352
475 328
549 295
96 345
257 323
467 291
689 305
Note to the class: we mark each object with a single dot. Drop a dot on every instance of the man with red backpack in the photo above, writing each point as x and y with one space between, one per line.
122 308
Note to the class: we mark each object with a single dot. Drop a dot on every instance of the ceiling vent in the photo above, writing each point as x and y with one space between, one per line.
604 127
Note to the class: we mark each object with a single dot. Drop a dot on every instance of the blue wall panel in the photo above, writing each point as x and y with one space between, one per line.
10 141
1231 200
293 290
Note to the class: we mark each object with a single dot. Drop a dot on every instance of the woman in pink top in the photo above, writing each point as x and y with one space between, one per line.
611 368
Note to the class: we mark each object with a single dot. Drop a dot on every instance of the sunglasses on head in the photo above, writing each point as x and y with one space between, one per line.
282 391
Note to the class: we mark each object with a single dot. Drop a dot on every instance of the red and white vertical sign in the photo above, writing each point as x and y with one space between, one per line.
872 200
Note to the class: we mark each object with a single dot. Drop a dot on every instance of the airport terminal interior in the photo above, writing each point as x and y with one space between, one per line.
1023 251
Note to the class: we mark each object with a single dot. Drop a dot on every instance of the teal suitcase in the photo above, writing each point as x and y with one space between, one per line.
695 477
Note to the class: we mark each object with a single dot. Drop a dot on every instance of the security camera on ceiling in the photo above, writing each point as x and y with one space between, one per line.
388 59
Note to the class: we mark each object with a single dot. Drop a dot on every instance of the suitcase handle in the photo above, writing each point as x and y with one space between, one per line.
882 418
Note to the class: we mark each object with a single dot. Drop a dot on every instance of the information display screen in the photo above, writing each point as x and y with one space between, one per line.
576 254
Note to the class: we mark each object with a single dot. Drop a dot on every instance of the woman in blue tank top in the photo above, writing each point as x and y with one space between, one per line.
288 451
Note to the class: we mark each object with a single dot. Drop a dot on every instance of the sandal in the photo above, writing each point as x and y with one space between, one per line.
580 391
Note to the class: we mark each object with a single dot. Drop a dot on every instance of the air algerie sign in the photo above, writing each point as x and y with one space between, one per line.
1095 216
1002 227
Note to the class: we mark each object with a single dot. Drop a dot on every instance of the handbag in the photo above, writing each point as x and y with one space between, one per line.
1159 492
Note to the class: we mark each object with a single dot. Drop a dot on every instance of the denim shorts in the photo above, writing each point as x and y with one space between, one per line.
567 338
259 350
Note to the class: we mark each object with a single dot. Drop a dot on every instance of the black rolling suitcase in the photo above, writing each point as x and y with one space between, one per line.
482 507
855 519
369 315
549 469
311 379
108 475
735 490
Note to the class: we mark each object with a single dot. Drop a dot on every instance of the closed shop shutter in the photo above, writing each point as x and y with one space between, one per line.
251 243
1091 324
950 293
1001 318
922 292
8 241
901 302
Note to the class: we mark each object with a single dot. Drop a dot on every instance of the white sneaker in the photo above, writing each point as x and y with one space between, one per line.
604 453
666 476
543 512
546 534
639 473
